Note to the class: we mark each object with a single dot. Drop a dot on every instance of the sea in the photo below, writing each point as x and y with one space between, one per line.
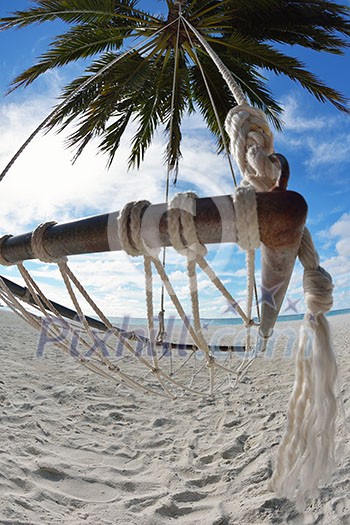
127 321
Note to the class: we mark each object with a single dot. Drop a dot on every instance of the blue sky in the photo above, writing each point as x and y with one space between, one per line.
43 185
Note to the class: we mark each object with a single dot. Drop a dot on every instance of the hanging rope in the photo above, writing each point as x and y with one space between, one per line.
161 325
306 453
212 101
183 235
225 72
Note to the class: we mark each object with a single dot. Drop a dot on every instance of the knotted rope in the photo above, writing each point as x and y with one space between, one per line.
251 146
184 238
306 453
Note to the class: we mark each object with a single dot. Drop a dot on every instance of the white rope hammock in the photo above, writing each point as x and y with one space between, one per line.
306 453
129 229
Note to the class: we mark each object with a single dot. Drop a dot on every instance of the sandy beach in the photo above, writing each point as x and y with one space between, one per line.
76 449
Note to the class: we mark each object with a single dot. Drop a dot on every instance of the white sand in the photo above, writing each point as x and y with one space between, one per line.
75 449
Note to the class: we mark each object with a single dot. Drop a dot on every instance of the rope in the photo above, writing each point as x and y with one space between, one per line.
251 146
180 219
38 246
212 101
225 72
306 453
161 330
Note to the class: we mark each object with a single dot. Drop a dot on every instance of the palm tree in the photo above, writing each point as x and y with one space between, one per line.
169 72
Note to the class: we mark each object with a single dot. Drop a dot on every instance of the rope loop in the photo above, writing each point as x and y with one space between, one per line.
251 146
247 225
130 229
181 226
38 247
318 290
4 261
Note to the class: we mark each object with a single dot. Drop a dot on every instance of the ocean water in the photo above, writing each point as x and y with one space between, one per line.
127 321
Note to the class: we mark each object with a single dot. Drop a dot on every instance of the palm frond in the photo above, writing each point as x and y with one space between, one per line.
76 11
266 57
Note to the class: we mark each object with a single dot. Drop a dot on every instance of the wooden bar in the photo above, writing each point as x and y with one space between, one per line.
281 215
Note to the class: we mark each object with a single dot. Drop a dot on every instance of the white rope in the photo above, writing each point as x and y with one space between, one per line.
38 246
225 72
161 329
245 206
212 101
130 235
183 236
306 453
247 225
251 137
251 146
180 218
67 275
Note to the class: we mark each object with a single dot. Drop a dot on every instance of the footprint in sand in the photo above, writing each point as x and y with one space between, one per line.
235 449
60 485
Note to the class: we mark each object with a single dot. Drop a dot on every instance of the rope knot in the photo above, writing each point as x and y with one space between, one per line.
38 246
318 288
247 225
182 228
130 229
251 146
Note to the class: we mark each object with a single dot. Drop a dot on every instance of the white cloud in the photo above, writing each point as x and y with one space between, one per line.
341 228
322 140
294 117
338 265
332 151
43 185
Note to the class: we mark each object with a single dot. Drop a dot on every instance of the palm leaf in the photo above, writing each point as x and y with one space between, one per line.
77 11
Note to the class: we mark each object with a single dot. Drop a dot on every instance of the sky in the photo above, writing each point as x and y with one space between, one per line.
44 185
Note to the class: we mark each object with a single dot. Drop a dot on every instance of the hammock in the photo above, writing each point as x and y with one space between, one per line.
260 213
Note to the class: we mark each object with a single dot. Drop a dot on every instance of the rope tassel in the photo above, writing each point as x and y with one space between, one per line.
306 454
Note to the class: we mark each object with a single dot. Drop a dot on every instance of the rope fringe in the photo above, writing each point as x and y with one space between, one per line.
306 454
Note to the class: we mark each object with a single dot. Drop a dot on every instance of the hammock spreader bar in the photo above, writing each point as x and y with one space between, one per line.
281 216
